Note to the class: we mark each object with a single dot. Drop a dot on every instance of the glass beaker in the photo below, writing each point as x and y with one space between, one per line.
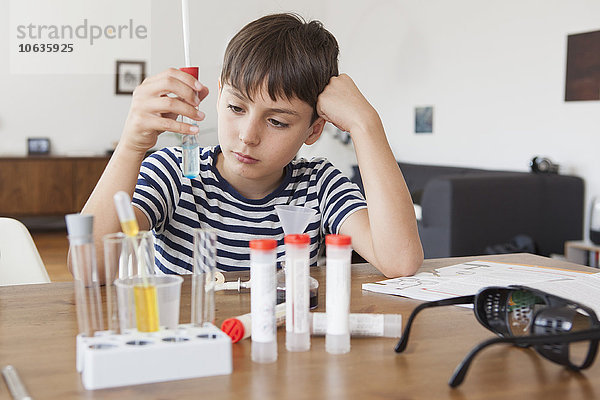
123 258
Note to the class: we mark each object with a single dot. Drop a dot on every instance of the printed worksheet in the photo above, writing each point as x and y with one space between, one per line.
583 289
470 277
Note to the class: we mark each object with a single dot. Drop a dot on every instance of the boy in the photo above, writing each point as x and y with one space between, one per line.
278 87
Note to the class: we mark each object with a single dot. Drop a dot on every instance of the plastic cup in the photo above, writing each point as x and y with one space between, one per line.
121 261
168 293
294 219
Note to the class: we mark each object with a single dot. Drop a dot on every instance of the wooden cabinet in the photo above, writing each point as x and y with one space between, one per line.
583 252
42 186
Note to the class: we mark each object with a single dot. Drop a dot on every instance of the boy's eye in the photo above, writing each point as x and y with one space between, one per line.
235 109
278 124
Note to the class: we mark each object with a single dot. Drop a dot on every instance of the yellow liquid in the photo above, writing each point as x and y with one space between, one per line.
130 228
146 308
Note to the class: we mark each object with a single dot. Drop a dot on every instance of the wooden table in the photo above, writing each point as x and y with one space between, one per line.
38 328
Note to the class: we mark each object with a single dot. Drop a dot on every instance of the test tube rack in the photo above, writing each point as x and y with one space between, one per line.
110 360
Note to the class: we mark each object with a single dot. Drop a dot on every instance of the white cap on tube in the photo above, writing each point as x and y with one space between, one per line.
337 344
264 352
123 205
80 227
392 325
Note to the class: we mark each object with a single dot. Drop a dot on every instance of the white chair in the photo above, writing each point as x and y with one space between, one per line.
20 262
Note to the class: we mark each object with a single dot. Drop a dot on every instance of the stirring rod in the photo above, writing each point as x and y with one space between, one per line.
14 383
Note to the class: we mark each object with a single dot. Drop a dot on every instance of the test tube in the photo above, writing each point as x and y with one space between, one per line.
203 277
85 273
361 324
297 336
115 261
145 297
240 327
190 145
263 259
337 294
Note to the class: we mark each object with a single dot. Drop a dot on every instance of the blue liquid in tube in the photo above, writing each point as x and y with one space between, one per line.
191 153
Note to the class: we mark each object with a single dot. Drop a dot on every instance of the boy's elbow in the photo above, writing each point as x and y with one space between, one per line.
406 264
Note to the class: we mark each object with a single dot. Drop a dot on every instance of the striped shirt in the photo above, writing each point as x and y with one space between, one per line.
175 205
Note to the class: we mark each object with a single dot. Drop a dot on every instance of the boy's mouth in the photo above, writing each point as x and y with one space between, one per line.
244 158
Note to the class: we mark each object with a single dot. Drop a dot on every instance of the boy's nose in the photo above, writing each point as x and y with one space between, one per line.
250 133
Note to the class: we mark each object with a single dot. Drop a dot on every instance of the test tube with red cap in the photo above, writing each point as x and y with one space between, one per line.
190 146
337 296
297 258
263 259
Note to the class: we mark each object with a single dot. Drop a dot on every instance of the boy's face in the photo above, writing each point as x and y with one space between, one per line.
259 138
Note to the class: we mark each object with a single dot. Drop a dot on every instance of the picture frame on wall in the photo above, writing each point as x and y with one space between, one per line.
583 67
38 146
129 74
424 119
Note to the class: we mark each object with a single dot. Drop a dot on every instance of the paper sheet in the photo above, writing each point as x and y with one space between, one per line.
470 277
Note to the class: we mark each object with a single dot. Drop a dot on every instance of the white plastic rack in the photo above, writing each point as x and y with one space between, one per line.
109 360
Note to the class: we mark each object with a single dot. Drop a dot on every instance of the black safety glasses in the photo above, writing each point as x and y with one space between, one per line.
559 329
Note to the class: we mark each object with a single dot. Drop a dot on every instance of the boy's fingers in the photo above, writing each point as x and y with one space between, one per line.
161 124
202 93
170 115
163 105
184 77
168 82
199 88
189 80
172 85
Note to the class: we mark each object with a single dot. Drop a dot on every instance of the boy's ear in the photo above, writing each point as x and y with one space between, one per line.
315 131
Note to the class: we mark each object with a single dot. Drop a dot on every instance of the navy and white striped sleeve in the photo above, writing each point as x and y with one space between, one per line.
158 187
338 197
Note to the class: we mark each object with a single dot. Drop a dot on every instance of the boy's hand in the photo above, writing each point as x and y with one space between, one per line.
342 104
153 112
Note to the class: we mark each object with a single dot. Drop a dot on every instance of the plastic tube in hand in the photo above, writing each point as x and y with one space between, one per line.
146 302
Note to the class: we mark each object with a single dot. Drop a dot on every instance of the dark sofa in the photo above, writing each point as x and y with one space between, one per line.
465 211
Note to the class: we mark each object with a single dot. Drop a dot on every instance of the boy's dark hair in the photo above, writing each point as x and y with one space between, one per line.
293 57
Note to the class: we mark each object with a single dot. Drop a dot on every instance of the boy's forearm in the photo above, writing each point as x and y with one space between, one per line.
120 174
394 232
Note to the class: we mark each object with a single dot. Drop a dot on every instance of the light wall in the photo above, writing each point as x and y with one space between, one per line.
493 71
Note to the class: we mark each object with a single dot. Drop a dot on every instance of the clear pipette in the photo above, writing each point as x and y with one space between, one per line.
146 304
186 31
189 143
